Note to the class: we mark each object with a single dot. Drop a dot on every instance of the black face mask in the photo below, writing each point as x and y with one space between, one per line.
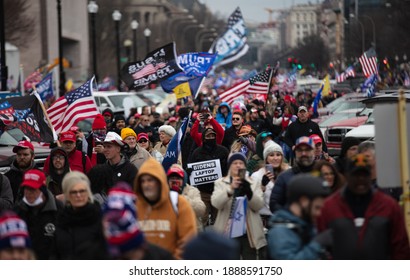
210 143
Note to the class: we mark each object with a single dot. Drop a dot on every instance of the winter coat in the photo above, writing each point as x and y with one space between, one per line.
124 171
193 196
298 129
138 156
79 234
222 199
290 238
221 119
203 154
75 160
257 177
197 136
6 193
41 223
382 235
15 176
161 225
231 134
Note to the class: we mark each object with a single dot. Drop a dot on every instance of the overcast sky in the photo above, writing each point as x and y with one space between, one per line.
252 10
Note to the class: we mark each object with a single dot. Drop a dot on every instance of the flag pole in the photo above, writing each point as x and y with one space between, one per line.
45 113
404 159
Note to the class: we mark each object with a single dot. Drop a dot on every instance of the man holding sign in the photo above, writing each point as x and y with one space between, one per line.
207 164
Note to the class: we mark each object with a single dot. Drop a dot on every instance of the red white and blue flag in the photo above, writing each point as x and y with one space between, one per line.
73 107
349 72
368 60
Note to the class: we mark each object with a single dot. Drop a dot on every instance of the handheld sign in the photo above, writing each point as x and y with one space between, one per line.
204 172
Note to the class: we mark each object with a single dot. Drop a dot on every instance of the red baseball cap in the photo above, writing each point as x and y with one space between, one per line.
172 119
34 178
67 136
316 138
142 135
23 145
176 170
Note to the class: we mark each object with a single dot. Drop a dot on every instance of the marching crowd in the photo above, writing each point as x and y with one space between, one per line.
106 195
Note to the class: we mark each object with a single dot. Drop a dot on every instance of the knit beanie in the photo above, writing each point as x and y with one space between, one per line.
99 123
236 156
13 232
167 129
121 227
347 143
125 132
271 147
119 118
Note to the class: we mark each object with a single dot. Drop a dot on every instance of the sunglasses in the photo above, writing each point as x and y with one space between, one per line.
236 119
143 141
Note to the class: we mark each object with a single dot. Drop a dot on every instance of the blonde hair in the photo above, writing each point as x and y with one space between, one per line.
73 178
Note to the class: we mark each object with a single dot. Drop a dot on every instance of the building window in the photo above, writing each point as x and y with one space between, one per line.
297 26
305 26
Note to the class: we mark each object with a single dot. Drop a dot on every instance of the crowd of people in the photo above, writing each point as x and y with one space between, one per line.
277 193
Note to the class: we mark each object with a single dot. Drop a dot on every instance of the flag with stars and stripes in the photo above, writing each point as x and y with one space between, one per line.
368 60
26 114
232 44
349 72
73 107
255 85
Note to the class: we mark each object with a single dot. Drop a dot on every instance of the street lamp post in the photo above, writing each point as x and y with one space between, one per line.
60 50
134 27
92 10
362 27
147 34
3 71
116 16
373 29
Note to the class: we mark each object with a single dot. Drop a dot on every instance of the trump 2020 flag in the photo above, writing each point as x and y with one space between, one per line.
232 44
369 85
195 65
26 114
174 147
45 87
156 66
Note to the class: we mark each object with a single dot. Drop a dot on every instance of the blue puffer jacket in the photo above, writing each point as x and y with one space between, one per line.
285 238
221 119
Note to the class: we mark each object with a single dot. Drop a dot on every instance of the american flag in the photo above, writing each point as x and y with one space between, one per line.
148 70
290 83
73 107
368 60
255 85
349 72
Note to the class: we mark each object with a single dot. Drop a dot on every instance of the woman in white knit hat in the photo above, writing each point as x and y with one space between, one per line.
266 175
166 132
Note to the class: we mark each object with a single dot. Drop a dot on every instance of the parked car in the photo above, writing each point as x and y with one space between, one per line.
9 139
118 102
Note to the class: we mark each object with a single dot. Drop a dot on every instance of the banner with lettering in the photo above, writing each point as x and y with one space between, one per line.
204 172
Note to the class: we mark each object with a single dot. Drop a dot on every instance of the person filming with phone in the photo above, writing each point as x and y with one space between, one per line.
238 199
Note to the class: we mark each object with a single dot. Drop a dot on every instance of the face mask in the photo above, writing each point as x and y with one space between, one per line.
37 202
99 135
210 142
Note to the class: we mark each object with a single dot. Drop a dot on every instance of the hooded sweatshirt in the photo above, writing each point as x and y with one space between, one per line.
220 118
160 223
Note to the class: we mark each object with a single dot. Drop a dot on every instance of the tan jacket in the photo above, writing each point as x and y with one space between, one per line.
140 157
193 196
221 199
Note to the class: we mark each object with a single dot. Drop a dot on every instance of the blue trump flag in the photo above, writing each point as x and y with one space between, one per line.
45 87
195 66
317 100
369 85
174 147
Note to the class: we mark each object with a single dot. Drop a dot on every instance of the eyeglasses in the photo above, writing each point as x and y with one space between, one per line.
236 119
60 157
143 141
80 192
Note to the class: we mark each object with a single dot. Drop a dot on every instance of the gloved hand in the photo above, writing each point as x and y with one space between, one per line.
246 188
325 238
243 140
265 180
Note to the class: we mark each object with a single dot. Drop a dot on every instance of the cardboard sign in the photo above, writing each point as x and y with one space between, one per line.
204 172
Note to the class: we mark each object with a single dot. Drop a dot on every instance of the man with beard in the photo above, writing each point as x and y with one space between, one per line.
304 161
209 150
291 236
24 161
59 167
366 223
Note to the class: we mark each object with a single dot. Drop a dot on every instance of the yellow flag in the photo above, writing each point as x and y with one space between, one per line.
182 90
326 86
69 85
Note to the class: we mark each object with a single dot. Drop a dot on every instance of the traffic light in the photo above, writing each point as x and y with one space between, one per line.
299 66
385 61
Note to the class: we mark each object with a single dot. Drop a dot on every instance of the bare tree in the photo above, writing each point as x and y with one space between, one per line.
19 25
